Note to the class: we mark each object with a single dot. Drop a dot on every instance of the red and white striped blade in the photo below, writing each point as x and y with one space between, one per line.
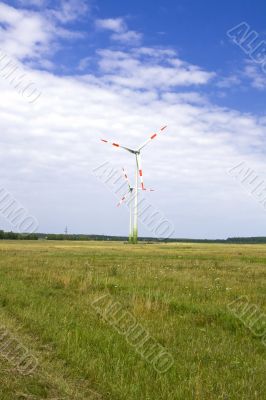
123 199
140 170
153 136
113 144
126 177
116 145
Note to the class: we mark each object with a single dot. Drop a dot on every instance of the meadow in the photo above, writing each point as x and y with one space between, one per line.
178 292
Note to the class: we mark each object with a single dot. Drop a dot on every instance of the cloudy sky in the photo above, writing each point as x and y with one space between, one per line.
120 70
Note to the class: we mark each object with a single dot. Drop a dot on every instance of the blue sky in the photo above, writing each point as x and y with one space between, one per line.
196 30
121 70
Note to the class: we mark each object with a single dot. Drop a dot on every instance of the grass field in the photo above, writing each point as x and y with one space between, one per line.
178 292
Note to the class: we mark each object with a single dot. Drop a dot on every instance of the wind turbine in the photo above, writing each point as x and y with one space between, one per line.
130 192
138 175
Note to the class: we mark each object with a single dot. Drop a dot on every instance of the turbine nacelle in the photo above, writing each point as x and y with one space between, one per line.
130 188
133 151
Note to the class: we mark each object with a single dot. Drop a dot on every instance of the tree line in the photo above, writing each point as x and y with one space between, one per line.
81 237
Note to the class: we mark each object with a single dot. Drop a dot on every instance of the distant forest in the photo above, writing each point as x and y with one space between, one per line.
49 236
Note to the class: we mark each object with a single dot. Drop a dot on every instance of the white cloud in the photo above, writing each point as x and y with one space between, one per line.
130 69
250 74
130 37
155 52
256 75
70 10
121 32
37 3
84 63
229 81
25 33
113 24
32 35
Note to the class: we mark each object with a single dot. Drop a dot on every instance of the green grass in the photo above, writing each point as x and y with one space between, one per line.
178 292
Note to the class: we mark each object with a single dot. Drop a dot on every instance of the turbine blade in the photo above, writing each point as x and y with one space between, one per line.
139 164
153 136
117 145
126 177
123 199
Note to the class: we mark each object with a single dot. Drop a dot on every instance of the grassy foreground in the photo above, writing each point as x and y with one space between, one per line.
178 292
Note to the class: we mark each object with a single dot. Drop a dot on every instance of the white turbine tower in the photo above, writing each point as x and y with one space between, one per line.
130 192
138 175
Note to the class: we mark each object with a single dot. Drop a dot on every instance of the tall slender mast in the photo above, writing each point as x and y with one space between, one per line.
130 239
135 229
